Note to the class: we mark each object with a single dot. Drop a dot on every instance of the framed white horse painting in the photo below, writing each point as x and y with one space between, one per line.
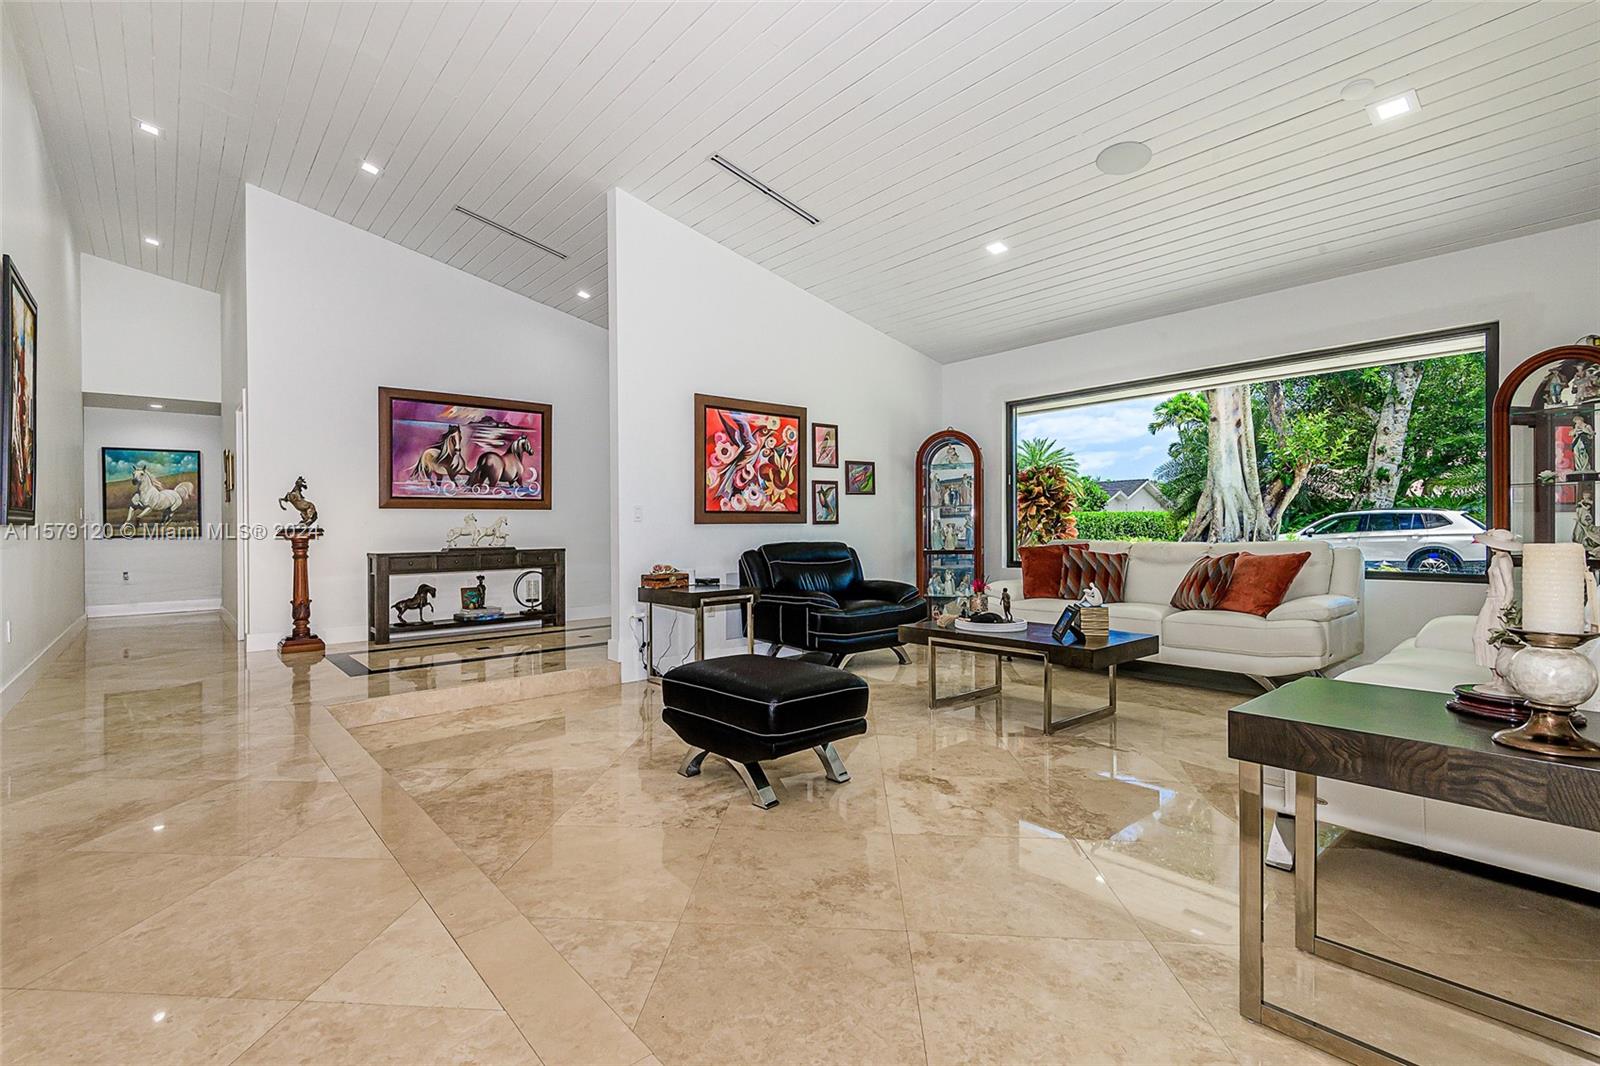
149 492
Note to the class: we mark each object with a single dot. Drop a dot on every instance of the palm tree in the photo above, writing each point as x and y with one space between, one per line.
1048 487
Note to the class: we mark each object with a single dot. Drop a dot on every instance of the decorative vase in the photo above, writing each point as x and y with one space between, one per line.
1555 677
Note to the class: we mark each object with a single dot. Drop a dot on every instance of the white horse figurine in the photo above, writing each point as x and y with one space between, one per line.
468 531
495 534
150 500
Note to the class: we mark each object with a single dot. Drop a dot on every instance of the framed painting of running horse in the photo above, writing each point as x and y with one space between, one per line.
19 390
440 449
150 492
748 462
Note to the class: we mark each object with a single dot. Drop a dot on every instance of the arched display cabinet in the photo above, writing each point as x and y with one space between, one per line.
1543 448
949 516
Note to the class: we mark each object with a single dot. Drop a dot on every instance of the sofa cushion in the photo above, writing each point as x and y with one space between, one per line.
1315 577
1140 617
1154 569
1041 570
798 577
1203 587
1260 582
1081 567
1235 632
867 616
1313 609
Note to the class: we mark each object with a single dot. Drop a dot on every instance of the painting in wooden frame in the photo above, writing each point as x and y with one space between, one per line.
444 449
825 503
19 390
747 461
825 445
860 478
150 492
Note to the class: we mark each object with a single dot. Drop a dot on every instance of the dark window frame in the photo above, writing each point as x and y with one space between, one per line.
1159 383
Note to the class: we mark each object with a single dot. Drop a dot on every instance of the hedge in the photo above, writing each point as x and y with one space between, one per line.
1126 525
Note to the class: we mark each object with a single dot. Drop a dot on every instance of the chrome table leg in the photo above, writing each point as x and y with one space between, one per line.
832 765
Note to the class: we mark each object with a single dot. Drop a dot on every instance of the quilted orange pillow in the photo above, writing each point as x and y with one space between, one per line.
1041 570
1261 581
1206 583
1081 567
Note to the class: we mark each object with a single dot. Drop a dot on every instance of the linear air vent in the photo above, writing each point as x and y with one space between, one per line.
509 232
764 189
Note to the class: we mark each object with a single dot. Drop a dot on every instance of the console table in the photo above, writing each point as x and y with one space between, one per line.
1402 740
381 566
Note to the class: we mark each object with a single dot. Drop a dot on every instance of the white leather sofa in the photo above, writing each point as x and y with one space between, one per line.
1436 660
1319 623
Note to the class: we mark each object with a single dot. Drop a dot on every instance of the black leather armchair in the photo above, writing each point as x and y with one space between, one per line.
814 597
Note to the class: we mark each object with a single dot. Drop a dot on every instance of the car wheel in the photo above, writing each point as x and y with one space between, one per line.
1435 561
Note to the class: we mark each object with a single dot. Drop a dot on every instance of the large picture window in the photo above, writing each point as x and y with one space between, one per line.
1382 446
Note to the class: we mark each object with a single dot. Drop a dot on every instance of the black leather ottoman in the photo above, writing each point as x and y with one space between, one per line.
746 708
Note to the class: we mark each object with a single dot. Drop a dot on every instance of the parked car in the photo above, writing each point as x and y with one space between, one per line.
1420 539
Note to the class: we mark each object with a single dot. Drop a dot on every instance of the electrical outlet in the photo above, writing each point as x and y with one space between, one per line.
638 514
124 575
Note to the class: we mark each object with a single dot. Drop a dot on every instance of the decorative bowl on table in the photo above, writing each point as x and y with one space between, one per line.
969 626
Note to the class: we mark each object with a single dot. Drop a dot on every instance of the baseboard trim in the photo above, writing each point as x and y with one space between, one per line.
231 622
124 610
18 686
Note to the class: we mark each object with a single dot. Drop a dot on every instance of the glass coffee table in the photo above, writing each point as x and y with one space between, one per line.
1094 654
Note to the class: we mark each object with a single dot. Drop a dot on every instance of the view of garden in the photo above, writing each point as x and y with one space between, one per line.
1254 461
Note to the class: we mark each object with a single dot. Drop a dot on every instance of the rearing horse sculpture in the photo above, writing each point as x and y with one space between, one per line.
296 497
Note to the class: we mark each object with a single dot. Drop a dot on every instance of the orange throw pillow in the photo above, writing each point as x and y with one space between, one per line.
1261 581
1041 571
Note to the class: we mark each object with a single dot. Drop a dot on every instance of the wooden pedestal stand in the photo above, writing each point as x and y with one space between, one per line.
301 638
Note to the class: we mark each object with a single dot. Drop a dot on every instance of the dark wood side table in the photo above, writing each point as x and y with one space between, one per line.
695 600
381 566
1402 740
1036 642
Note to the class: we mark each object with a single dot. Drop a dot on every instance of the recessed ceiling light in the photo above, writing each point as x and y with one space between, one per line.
157 407
1359 89
371 167
153 242
996 248
583 294
1394 107
150 127
1126 157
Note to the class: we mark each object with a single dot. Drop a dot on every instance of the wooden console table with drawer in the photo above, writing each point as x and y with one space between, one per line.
381 566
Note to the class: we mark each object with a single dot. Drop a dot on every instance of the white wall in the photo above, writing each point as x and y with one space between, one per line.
164 575
232 337
145 335
333 314
41 580
689 316
1543 289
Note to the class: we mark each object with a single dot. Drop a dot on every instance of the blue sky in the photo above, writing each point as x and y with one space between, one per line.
120 462
1111 440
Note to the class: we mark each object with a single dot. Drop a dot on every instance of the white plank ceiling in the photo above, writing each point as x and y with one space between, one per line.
918 133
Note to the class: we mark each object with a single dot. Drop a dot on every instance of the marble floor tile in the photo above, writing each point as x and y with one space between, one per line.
1017 886
822 996
494 815
607 872
618 959
821 880
807 800
414 962
630 796
51 1028
242 818
1028 999
350 1034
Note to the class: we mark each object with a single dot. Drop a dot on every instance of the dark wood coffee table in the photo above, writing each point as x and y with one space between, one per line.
1096 654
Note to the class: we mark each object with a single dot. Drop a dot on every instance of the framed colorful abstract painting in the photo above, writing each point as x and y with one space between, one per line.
150 492
440 449
824 444
748 466
860 478
19 315
825 503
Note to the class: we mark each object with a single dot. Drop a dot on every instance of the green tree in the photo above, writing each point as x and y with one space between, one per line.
1048 484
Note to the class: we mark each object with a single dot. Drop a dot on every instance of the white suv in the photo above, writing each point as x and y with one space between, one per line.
1422 540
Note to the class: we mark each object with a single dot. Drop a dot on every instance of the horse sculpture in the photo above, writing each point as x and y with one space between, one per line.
151 500
494 534
296 497
442 462
418 602
503 468
468 530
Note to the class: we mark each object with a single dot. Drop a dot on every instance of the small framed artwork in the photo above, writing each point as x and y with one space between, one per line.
19 443
860 478
824 445
150 492
1067 625
440 449
825 503
747 461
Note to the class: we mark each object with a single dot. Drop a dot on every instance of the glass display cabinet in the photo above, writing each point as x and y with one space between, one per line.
949 516
1543 448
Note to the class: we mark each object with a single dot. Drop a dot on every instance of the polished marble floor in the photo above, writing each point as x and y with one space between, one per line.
209 857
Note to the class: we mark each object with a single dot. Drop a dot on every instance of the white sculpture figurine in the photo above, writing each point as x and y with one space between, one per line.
494 535
1502 546
1091 596
468 530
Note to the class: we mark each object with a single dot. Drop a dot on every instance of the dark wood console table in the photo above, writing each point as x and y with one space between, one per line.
1406 741
381 566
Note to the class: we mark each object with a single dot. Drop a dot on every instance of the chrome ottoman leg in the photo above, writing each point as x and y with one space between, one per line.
690 767
832 765
755 779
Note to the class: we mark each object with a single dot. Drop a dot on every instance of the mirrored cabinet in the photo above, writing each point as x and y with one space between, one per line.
949 516
1543 448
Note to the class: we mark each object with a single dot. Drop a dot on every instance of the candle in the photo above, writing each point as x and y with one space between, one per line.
1552 588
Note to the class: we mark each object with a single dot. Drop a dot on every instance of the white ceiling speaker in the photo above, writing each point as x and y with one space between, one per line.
1358 90
1126 157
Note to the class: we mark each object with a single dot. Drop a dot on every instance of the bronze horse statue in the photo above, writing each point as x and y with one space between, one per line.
418 602
442 462
296 497
502 468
